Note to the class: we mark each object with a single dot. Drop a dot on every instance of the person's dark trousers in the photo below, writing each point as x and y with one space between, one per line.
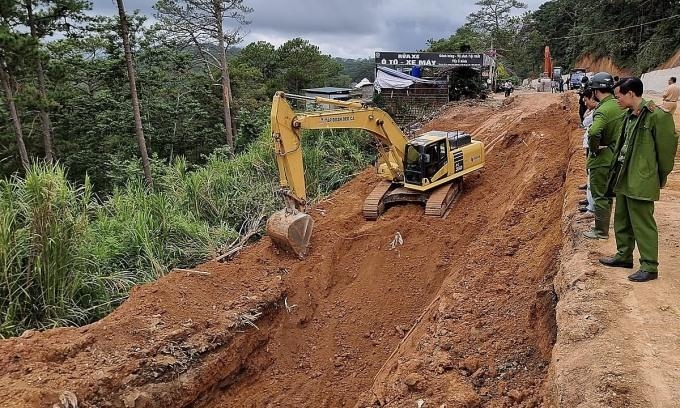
581 111
634 223
603 205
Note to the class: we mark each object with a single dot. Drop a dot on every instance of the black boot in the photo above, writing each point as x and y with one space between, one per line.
616 263
583 202
642 276
583 187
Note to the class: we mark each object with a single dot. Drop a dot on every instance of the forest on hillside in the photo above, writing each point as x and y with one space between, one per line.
72 101
106 182
129 148
65 73
639 35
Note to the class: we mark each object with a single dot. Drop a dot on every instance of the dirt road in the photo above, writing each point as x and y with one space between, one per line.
619 342
461 315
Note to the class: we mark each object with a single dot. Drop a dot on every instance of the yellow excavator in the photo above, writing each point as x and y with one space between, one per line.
427 169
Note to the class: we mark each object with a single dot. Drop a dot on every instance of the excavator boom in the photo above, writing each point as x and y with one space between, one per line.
287 129
291 228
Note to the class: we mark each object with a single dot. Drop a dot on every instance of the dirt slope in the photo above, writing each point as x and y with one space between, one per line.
602 64
460 314
672 62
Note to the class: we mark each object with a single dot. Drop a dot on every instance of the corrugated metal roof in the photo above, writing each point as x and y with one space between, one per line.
328 90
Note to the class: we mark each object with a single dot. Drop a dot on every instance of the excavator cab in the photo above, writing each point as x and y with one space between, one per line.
424 161
427 156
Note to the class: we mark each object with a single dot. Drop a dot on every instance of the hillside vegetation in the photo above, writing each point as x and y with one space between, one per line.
637 35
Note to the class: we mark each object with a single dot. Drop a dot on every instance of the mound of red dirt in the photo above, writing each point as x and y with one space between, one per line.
461 313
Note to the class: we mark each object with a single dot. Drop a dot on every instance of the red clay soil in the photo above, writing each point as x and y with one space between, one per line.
461 314
672 62
599 64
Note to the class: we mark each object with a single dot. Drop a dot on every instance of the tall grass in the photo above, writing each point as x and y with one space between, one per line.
68 258
42 221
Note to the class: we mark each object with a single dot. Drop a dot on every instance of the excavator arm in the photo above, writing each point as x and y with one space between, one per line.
291 227
287 129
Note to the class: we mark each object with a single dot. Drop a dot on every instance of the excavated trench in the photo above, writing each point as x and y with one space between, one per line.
461 313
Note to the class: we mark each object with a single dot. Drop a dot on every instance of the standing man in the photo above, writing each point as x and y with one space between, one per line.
644 158
507 87
602 136
581 102
588 204
670 96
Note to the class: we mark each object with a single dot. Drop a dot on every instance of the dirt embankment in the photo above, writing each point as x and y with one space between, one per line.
599 64
672 62
461 314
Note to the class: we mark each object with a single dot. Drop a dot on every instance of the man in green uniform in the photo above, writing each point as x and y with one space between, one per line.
644 158
602 137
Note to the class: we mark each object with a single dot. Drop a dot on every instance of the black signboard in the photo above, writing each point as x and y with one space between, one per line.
463 59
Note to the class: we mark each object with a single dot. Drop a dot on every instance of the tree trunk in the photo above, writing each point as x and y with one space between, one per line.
48 131
139 131
11 106
226 86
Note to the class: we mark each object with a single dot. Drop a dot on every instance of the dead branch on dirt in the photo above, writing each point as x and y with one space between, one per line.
247 319
288 308
252 226
191 271
396 241
181 357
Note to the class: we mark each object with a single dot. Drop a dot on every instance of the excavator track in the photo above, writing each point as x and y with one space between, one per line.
373 204
441 199
436 202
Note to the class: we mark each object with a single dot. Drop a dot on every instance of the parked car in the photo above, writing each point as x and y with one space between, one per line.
575 76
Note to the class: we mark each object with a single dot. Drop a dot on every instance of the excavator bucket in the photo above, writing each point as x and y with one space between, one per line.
291 231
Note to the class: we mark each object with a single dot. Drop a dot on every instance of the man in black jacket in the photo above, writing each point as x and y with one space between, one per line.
581 99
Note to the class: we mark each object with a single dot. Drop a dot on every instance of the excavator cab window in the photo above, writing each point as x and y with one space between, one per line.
413 164
438 158
443 153
431 167
424 161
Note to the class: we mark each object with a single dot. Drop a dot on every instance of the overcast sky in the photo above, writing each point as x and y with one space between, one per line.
344 28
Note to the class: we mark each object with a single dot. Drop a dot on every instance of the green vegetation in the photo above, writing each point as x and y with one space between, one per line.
67 258
89 102
639 49
635 38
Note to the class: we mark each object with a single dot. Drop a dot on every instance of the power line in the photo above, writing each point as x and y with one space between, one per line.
616 29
